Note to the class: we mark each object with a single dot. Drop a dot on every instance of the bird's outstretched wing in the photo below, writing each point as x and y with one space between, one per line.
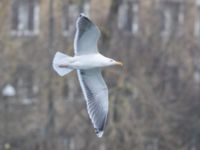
96 95
86 37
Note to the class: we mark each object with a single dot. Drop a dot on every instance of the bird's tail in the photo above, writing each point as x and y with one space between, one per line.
58 63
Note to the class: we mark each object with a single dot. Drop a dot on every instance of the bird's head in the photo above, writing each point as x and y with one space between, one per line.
113 62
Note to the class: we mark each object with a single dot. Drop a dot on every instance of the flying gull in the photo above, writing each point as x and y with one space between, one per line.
88 62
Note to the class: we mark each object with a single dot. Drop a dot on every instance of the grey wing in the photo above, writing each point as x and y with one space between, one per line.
96 95
86 37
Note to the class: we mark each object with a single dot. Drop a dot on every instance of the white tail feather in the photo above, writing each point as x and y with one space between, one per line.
60 59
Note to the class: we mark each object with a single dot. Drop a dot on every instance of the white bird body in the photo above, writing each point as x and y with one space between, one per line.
88 63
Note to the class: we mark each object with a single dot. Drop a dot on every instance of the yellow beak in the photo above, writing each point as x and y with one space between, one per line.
119 63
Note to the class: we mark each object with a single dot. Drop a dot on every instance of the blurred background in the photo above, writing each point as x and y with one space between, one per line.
154 98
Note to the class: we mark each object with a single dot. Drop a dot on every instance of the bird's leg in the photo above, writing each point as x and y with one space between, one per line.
62 66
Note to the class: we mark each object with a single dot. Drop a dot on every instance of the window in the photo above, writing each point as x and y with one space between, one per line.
128 16
135 18
196 63
25 17
172 18
26 85
70 13
197 21
198 2
122 15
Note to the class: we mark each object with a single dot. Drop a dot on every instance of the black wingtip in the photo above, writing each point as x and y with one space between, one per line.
99 133
84 16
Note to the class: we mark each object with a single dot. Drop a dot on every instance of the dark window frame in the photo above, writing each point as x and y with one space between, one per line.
172 18
30 23
130 16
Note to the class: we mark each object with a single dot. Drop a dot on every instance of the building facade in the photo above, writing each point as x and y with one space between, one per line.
33 30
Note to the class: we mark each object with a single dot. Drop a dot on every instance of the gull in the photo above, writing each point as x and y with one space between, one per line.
88 62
